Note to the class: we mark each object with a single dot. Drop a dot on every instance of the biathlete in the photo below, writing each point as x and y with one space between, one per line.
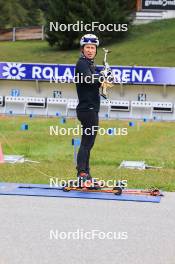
89 103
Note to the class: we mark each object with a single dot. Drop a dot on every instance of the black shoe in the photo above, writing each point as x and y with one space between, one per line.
86 181
83 178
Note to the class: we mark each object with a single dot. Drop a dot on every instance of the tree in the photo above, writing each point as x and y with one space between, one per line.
21 13
69 12
34 14
12 14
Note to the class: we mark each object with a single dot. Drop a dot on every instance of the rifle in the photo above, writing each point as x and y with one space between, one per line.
107 74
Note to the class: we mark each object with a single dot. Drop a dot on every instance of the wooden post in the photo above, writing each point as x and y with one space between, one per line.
14 34
43 33
138 5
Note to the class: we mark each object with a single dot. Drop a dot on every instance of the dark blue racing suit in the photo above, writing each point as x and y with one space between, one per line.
87 109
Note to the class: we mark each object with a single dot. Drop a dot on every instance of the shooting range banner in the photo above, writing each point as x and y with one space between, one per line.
65 73
158 4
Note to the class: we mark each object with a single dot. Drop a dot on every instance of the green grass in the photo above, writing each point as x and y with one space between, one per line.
152 142
151 44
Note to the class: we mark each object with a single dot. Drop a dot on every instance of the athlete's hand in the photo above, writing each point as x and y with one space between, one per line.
106 85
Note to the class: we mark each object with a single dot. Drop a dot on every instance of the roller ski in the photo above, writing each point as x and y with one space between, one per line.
115 190
91 189
150 192
85 183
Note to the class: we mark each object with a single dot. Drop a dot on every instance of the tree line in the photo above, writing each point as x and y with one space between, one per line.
21 13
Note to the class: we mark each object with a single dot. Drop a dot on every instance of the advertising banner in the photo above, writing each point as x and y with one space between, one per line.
66 73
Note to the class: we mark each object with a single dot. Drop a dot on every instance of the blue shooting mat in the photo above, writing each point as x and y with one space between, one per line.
47 191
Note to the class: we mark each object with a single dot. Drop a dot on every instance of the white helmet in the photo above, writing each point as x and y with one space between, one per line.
89 39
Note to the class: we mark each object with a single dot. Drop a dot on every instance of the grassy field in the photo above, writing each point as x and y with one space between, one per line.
149 45
151 141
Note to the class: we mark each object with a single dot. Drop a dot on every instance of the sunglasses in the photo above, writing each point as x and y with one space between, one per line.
92 40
